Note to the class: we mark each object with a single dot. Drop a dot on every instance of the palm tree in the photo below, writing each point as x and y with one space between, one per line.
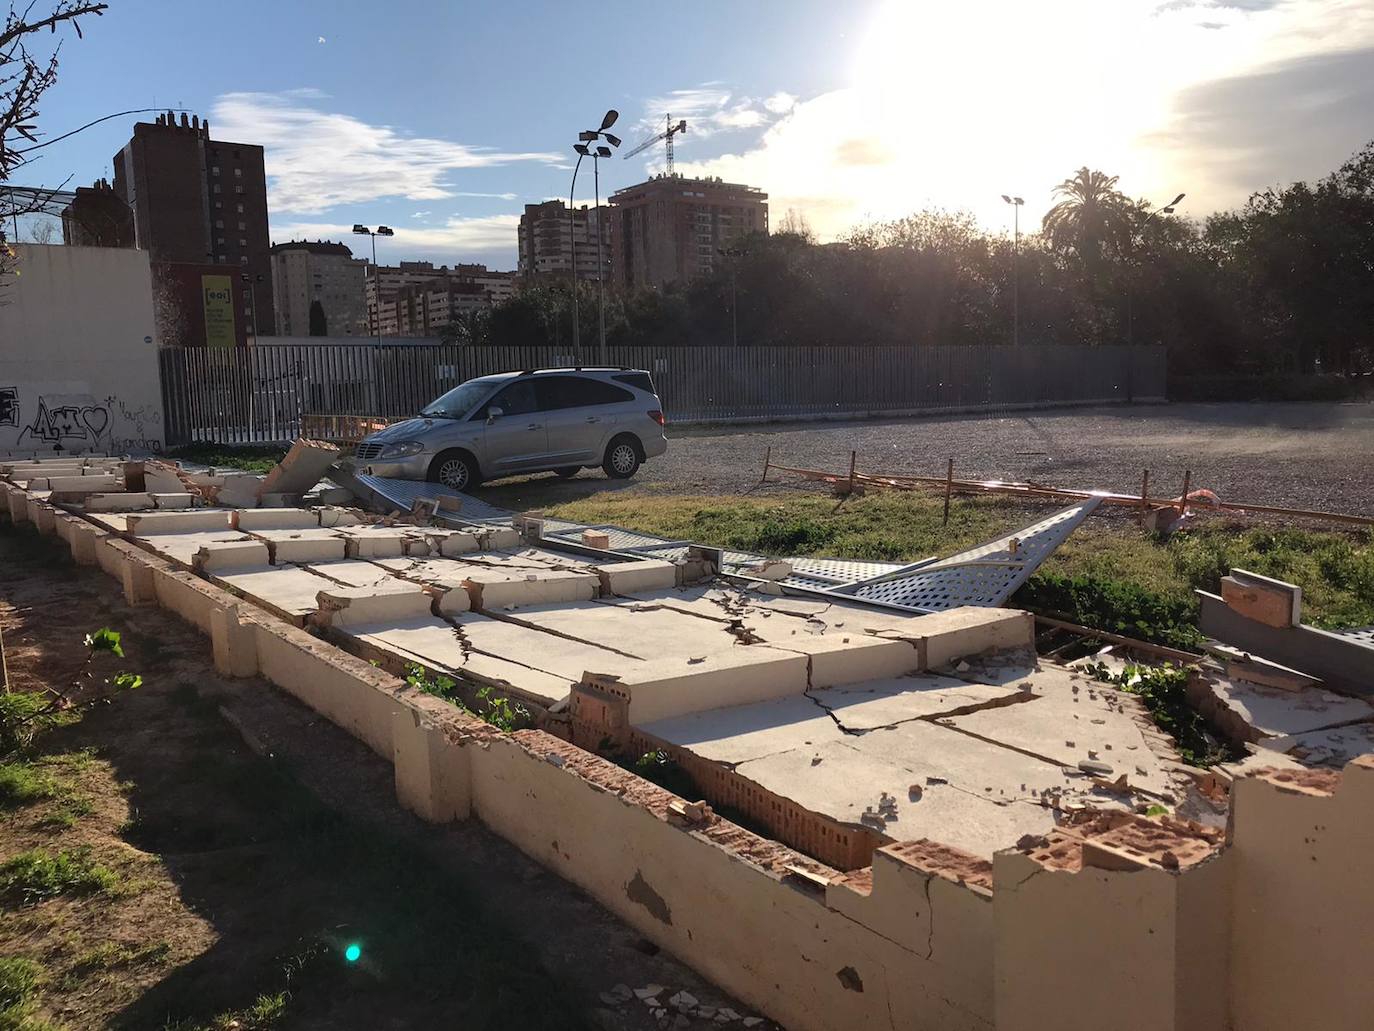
1092 218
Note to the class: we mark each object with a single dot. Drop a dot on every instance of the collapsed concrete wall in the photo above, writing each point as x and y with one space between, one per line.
1119 921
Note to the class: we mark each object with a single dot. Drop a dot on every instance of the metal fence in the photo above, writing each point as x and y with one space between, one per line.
260 393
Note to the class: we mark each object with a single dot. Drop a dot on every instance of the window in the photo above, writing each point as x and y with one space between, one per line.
638 380
217 187
242 225
243 242
219 240
238 173
578 392
520 398
240 207
214 169
243 259
237 189
219 204
219 223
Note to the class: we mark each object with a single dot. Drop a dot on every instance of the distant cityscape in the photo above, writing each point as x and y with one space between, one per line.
199 207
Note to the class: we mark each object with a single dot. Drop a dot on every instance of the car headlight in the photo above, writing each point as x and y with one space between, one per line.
402 449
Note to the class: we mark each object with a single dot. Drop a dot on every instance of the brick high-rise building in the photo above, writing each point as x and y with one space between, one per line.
304 272
546 242
199 201
96 217
671 228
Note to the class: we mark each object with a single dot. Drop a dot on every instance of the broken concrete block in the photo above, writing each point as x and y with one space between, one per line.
387 603
457 543
94 484
281 499
337 496
301 469
377 544
496 590
500 540
117 502
771 569
275 519
238 490
194 521
307 549
229 555
630 577
453 600
596 539
161 479
174 500
333 516
1261 598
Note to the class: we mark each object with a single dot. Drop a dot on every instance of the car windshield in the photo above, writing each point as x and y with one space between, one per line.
458 401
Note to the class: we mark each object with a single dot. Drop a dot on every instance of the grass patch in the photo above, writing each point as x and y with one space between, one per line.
20 980
266 1013
34 876
64 815
1108 574
253 458
23 783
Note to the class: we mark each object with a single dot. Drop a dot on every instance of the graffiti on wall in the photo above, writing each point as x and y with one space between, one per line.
76 422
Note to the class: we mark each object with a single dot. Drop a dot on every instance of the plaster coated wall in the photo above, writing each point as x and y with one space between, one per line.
78 352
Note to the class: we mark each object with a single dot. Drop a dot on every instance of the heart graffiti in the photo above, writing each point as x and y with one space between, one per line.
96 419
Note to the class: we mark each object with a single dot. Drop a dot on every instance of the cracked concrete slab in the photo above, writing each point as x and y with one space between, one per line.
1332 747
1072 718
1274 712
739 733
871 704
289 590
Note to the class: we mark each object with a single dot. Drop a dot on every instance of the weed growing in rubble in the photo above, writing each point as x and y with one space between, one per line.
497 710
1163 689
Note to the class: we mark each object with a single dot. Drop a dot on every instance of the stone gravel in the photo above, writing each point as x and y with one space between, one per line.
1317 456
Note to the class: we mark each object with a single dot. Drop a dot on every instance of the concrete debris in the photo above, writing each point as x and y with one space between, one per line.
301 469
650 991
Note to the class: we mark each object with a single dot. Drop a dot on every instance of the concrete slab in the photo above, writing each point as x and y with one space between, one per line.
742 732
951 776
275 519
435 643
1072 719
122 502
290 591
500 589
630 577
182 547
196 521
228 555
1333 747
871 704
1274 712
301 468
395 602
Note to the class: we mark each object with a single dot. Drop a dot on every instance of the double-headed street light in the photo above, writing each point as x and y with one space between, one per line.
362 230
1015 203
583 147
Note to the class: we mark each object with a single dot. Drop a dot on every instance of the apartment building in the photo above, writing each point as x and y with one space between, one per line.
306 271
199 201
547 235
415 295
672 228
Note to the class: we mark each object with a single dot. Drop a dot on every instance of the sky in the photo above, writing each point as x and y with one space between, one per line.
443 119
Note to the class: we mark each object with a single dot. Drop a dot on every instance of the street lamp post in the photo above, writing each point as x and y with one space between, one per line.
362 230
1168 209
1015 203
733 253
583 147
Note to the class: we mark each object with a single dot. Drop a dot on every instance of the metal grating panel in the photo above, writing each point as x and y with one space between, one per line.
986 575
1365 635
840 570
404 493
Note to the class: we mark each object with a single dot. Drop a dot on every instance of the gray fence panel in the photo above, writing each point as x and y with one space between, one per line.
259 393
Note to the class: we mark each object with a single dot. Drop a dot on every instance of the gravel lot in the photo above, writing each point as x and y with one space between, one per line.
1317 456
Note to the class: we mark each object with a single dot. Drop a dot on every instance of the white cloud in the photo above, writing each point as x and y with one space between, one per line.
940 112
317 159
708 109
458 239
498 196
780 103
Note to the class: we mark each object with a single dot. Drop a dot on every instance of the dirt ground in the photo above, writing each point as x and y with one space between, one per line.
1318 456
241 873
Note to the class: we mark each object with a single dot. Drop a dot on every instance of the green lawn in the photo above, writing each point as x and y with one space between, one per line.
1109 574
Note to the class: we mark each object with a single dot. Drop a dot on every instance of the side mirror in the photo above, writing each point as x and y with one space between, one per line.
494 413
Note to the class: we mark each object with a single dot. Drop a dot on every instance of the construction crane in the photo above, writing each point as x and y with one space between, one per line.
666 136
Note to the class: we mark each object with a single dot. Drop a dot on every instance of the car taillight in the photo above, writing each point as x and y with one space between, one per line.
657 416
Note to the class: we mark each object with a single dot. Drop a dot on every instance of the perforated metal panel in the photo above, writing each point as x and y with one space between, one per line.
840 570
1365 635
986 575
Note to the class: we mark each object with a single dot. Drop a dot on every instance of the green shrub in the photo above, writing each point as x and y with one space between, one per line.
1116 606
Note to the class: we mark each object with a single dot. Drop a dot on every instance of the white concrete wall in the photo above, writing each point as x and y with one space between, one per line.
78 352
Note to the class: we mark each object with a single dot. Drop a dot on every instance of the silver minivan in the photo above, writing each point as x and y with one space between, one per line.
539 420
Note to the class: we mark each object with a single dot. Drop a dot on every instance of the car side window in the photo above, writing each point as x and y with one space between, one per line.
580 392
520 398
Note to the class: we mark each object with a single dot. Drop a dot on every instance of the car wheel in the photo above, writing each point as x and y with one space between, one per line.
568 471
622 458
454 469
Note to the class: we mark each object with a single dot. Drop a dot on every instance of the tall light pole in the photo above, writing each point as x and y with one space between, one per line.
1168 209
1015 203
362 230
734 254
585 138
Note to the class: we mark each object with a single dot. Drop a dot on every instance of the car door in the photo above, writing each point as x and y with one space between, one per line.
516 439
580 417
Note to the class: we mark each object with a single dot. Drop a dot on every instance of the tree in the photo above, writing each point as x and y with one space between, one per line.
1091 219
319 325
24 77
